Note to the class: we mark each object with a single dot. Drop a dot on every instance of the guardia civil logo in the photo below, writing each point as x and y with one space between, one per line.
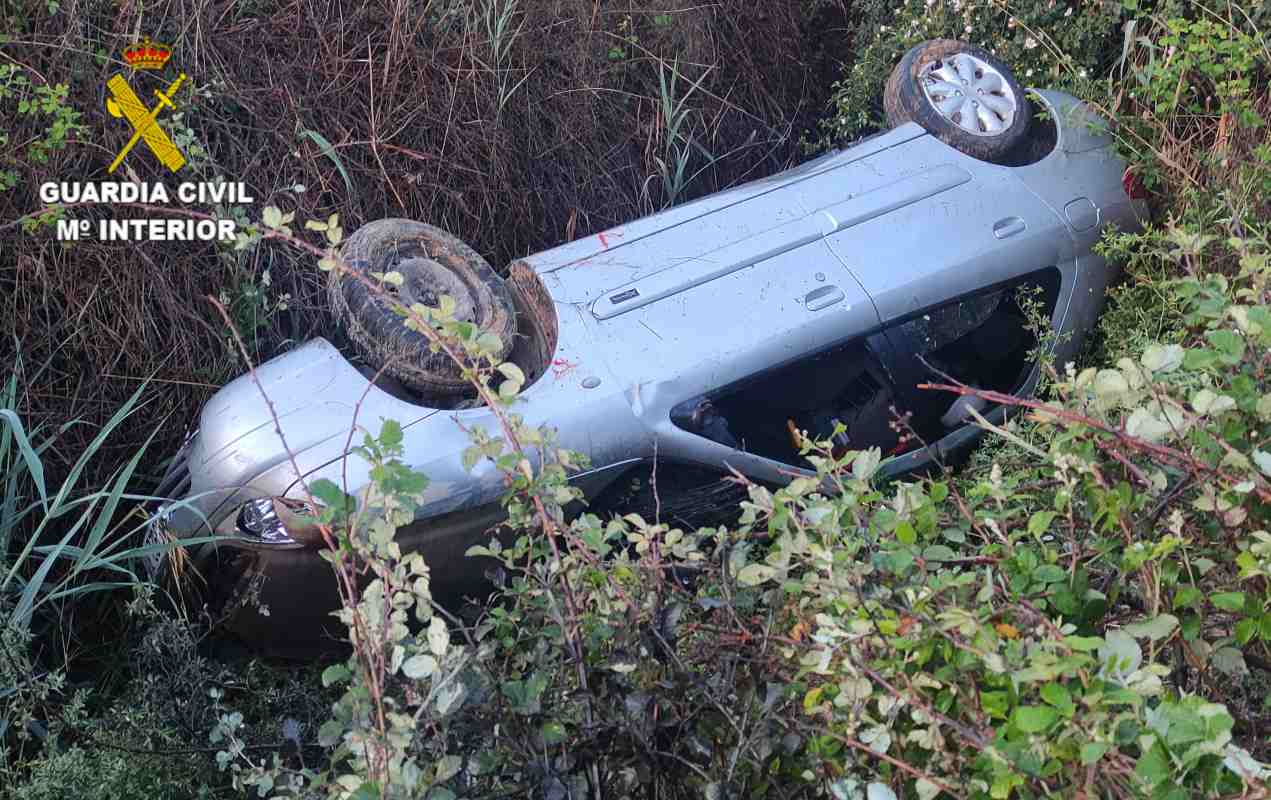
148 149
125 104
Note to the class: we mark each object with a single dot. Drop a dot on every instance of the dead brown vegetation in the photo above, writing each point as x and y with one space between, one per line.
515 141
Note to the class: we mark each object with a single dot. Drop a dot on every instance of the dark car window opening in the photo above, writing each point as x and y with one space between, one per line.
688 496
983 340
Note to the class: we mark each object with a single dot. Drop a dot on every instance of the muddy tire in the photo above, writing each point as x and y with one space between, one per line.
433 263
962 95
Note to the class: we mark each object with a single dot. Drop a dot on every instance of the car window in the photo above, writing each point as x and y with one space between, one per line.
986 339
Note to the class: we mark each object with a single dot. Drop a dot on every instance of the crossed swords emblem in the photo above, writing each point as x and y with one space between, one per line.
124 102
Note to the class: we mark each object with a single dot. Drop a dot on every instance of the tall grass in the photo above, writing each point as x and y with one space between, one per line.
679 142
500 30
66 543
62 542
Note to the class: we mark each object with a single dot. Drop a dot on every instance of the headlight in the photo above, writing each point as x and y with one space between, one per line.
277 522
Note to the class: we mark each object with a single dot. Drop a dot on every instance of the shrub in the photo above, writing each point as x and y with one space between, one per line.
1047 43
1079 618
99 774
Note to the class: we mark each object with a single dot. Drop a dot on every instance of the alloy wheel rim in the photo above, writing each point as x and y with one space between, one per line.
970 93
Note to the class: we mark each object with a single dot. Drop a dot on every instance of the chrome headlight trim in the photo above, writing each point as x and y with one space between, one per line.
257 521
259 524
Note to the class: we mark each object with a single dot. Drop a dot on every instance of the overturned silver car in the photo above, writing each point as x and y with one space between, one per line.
701 336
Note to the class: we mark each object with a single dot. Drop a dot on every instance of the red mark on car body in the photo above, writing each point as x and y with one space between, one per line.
562 367
604 240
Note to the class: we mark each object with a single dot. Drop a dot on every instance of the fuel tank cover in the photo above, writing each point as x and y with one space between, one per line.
1082 214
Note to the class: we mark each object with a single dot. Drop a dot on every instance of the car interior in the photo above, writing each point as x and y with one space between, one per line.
869 384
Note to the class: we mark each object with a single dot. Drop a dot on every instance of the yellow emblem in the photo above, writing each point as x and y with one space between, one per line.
123 102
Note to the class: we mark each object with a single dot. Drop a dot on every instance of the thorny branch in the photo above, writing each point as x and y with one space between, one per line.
1159 451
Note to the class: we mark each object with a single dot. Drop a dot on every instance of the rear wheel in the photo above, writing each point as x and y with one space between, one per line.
432 263
962 95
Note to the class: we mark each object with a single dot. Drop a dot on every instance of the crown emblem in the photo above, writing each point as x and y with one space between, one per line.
147 54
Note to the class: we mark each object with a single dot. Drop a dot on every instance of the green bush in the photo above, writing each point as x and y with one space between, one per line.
1048 44
98 774
1081 617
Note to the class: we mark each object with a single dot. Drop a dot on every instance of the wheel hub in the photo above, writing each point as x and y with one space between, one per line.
424 281
970 93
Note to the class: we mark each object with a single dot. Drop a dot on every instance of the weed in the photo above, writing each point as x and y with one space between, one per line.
20 97
679 144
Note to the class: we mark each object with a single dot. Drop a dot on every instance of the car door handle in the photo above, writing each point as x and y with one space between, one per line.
822 297
1008 227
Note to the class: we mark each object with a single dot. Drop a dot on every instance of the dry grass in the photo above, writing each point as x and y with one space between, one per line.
515 137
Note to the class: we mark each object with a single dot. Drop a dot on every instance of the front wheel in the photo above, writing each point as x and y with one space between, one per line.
432 263
962 95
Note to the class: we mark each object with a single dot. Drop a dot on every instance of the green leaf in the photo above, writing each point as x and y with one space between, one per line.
1153 766
330 732
1093 751
866 462
1230 346
1206 403
1143 424
1246 629
1059 697
513 373
329 152
369 790
1186 596
995 704
271 216
1263 460
1110 386
391 434
1039 523
1156 628
1228 601
1083 644
1049 573
1163 358
905 533
1229 660
438 637
451 697
553 733
1034 719
419 666
939 552
336 673
755 574
1120 652
1263 408
1200 359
